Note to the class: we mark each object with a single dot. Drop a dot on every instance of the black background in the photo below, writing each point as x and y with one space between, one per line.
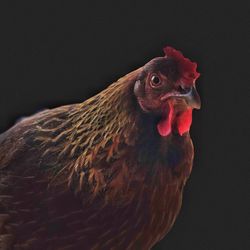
64 52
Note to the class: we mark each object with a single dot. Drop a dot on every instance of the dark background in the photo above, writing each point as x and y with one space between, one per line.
64 52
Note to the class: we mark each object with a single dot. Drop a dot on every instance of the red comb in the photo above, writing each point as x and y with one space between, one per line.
187 69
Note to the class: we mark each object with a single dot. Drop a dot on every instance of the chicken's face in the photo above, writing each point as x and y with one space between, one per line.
166 89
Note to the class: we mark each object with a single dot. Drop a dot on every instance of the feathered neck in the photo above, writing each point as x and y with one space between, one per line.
81 132
82 141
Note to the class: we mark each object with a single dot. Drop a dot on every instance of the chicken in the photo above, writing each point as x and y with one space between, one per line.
107 173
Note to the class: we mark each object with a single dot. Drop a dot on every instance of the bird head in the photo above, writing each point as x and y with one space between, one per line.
166 89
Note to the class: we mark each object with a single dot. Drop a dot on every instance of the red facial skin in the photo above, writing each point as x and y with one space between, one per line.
187 69
165 125
183 121
187 76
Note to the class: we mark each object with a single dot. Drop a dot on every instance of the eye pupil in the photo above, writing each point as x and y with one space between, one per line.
155 79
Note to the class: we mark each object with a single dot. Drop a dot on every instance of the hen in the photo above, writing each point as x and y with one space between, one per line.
107 173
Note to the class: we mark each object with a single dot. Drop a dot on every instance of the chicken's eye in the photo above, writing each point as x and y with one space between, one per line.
155 81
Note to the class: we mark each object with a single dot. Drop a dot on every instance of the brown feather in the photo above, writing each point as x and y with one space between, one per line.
85 176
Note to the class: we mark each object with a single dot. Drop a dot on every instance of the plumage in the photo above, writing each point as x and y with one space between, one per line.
95 175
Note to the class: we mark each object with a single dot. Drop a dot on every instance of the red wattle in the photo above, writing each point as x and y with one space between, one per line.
165 124
184 121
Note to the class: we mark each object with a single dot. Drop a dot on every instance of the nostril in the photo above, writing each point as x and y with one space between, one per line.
183 89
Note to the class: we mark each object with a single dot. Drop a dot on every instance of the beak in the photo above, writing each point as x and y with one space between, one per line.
190 95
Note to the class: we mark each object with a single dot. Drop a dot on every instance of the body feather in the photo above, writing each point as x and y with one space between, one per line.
94 175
